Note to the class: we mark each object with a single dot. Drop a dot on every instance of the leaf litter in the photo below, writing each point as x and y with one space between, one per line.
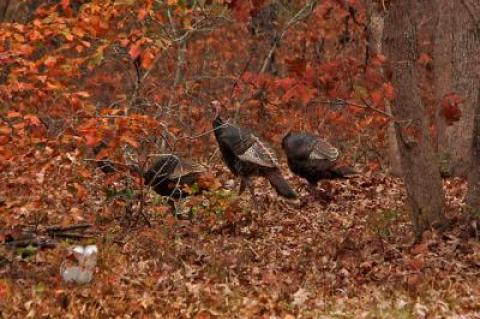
348 256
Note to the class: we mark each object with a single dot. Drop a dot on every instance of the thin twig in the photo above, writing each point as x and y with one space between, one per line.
302 14
366 105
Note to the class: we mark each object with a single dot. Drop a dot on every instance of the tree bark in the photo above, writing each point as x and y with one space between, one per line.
472 9
419 169
375 26
18 11
473 193
456 61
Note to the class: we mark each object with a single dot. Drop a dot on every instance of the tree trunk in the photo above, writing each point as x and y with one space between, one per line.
263 28
375 26
472 64
417 157
456 62
473 193
18 11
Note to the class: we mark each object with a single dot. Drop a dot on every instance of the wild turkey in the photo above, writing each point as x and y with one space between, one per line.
169 174
166 176
246 155
313 158
104 163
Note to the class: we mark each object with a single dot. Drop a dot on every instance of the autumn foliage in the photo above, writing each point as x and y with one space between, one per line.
141 75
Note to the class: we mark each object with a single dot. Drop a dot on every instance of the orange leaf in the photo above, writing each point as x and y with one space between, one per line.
92 140
75 102
417 263
5 130
170 220
13 114
81 191
83 94
4 140
420 249
26 49
134 51
85 173
130 141
147 59
50 61
78 32
32 119
42 78
379 59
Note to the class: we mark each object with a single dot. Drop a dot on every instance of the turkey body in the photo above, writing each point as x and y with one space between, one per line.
313 158
246 156
169 174
166 176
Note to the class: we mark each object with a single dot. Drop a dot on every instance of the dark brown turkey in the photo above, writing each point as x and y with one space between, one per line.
246 156
313 158
170 174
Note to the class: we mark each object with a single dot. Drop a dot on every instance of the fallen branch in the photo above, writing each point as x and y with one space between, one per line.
73 235
44 237
49 229
36 242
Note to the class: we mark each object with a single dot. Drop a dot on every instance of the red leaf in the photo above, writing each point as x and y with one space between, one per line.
379 59
297 66
389 91
3 291
65 4
142 13
377 97
424 59
285 83
451 108
289 94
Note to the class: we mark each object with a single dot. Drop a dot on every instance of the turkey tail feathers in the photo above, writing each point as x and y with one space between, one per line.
280 184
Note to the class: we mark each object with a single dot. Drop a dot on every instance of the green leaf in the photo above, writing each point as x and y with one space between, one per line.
40 288
360 91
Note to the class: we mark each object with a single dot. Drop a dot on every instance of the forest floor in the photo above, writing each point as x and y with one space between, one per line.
349 257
